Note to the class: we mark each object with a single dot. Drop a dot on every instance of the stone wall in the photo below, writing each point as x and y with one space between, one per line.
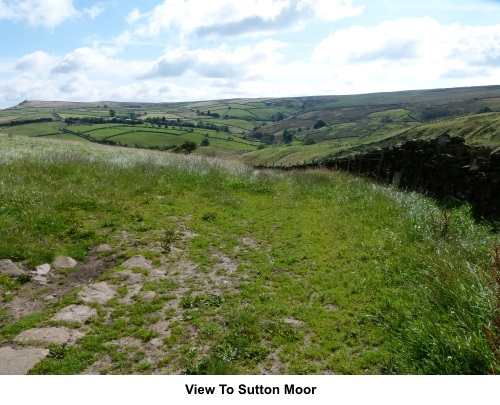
441 167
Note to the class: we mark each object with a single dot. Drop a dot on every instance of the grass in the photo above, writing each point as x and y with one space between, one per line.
292 273
43 128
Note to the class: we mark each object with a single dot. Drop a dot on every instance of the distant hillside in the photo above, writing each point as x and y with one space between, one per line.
270 130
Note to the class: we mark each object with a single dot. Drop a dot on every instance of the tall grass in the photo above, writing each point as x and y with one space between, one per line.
384 281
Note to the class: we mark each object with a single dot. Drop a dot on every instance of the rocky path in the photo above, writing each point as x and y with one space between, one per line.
104 290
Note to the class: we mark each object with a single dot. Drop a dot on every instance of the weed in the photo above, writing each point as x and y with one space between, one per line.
170 236
441 224
210 300
24 278
57 352
209 216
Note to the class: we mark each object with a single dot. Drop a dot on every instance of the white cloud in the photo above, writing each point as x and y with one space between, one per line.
100 60
134 16
405 53
37 61
228 18
220 62
412 48
329 10
45 13
94 11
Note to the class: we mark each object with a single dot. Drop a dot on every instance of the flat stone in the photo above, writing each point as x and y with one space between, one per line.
157 250
103 248
175 251
75 313
148 295
64 262
157 342
19 362
158 273
137 261
43 269
9 268
49 335
99 292
50 297
40 279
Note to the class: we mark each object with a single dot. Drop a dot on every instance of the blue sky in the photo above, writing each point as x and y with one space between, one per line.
186 50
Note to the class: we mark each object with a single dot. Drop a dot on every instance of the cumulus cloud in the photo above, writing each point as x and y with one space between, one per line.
411 53
45 13
39 61
81 59
220 62
404 53
421 42
221 18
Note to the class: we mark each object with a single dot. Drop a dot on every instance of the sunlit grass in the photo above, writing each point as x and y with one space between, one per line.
331 273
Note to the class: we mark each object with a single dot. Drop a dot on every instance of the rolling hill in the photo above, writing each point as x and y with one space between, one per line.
270 131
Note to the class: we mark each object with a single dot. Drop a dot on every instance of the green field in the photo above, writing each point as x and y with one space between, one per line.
353 124
39 129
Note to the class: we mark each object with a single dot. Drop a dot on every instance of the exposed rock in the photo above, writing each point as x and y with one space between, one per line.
103 248
158 273
43 269
137 261
133 290
19 362
175 251
49 335
157 250
75 313
64 262
293 322
9 268
157 342
250 242
148 295
99 292
40 279
50 297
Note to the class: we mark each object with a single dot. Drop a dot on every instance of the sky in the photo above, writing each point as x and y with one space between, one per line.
190 50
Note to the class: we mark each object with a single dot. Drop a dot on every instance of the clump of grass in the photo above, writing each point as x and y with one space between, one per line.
493 330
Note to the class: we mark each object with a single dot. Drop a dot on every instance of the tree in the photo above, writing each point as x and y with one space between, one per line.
205 142
112 113
319 124
187 147
287 136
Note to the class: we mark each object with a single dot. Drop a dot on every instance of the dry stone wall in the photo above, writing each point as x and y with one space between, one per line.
441 167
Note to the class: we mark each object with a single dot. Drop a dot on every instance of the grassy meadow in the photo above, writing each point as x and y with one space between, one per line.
264 272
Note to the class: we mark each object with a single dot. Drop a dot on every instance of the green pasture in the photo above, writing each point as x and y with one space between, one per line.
42 128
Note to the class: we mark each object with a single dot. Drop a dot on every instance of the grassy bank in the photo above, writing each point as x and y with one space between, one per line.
300 273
